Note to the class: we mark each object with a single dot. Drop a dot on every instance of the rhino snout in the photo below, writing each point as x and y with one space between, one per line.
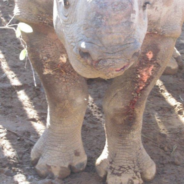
95 55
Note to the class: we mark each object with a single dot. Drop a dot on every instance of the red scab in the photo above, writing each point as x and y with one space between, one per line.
149 55
144 76
146 73
133 103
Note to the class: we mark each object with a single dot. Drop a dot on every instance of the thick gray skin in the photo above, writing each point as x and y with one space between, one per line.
100 38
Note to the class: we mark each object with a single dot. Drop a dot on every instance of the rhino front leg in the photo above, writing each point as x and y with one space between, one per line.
124 159
60 149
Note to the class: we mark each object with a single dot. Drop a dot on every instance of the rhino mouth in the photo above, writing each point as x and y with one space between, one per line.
106 70
123 68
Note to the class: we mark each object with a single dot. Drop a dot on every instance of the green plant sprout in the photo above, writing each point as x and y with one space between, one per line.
23 27
18 29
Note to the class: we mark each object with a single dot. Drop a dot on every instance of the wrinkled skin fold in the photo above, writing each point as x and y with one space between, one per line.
130 41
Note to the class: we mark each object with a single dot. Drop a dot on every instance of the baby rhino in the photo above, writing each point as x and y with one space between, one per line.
130 41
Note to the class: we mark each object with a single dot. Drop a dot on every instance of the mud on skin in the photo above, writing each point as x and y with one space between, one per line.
103 41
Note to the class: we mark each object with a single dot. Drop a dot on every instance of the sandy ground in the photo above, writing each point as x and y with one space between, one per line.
23 117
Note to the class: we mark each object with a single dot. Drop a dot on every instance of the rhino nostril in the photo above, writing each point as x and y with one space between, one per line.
84 52
89 53
86 56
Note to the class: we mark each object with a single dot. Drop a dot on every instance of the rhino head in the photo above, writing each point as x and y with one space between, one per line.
102 37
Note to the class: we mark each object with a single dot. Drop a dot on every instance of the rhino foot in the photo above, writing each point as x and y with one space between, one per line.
123 173
57 157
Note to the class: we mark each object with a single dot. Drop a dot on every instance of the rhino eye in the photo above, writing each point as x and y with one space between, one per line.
65 3
146 4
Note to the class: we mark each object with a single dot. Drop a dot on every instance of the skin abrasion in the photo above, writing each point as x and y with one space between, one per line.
146 70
